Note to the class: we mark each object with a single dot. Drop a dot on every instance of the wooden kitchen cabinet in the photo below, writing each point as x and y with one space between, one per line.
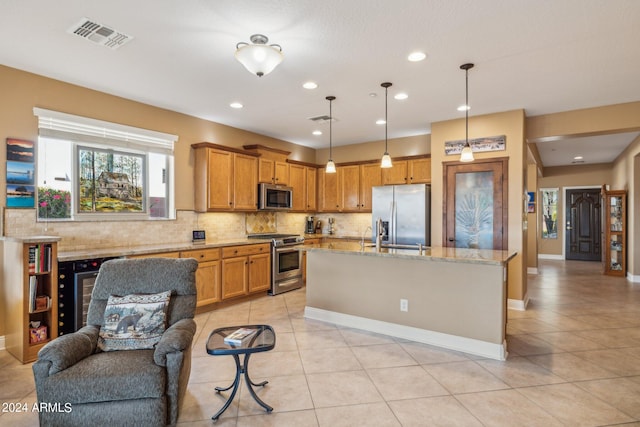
415 170
226 179
30 264
349 189
273 172
207 274
329 191
312 189
303 181
245 269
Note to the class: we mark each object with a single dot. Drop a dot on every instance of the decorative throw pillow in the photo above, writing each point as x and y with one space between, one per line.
133 322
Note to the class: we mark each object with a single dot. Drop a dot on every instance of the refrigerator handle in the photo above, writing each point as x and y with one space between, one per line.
392 224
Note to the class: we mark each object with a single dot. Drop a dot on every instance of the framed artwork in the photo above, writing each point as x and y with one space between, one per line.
20 174
531 202
549 209
478 145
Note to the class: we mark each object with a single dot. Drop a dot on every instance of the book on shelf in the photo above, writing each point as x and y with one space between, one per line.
239 336
33 287
39 258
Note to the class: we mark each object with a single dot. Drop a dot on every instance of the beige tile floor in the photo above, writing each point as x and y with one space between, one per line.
574 359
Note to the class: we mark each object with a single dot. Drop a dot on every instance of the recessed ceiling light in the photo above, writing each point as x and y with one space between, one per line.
578 158
380 122
464 108
236 105
317 132
373 94
416 56
310 85
401 96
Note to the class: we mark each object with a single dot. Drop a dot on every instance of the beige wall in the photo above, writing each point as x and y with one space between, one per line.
511 124
398 147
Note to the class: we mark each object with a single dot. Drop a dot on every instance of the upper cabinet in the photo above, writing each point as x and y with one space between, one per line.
273 172
272 166
349 189
302 179
226 179
413 170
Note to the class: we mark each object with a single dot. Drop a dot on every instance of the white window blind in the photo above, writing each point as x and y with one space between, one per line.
54 124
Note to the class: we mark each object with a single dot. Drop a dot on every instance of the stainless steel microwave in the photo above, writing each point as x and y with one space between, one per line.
274 197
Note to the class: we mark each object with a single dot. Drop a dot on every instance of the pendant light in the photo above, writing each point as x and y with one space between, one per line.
467 154
259 58
386 159
331 167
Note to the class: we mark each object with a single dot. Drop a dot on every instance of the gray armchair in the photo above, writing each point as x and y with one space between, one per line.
128 387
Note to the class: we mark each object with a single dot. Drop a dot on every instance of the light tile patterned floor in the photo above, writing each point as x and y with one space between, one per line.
574 359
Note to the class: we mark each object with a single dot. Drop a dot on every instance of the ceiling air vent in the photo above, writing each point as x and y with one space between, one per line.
322 119
99 34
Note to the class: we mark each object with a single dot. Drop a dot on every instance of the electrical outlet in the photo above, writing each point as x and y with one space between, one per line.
404 305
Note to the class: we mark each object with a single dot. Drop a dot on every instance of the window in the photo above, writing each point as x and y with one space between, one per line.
549 209
89 169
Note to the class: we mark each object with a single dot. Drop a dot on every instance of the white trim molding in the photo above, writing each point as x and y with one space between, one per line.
532 270
2 343
550 256
633 278
452 342
517 304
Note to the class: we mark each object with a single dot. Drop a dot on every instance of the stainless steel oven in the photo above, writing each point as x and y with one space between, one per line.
286 261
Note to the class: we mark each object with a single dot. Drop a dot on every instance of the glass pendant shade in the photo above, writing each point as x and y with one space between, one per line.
467 154
386 161
331 167
259 58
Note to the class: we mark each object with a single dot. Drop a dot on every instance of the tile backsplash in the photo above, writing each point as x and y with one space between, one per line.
77 236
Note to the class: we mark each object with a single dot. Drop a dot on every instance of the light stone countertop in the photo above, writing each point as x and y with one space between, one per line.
459 255
150 249
32 239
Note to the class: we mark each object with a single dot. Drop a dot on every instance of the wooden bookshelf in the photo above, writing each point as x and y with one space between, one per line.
615 232
30 271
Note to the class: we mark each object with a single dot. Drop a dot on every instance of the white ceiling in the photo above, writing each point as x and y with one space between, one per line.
543 56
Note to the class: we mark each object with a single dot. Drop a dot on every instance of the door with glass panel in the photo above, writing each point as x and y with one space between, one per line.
475 204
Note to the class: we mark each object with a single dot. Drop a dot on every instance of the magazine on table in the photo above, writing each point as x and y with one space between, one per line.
239 336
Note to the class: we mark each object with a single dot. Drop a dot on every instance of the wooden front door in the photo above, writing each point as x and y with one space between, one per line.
583 217
475 204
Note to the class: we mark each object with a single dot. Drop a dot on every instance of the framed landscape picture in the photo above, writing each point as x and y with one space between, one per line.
20 174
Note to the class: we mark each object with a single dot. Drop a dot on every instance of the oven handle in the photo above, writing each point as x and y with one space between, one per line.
291 248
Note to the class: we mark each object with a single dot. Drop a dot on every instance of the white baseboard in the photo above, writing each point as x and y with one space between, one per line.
550 256
532 270
452 342
2 347
519 305
633 278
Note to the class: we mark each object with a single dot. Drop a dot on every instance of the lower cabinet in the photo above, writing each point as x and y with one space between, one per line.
207 274
245 269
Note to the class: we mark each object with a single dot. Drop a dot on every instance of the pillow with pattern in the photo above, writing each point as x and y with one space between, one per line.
133 322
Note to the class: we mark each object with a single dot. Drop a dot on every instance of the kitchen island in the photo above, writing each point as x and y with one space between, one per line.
449 297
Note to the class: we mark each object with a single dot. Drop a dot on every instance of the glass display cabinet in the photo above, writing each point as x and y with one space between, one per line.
615 230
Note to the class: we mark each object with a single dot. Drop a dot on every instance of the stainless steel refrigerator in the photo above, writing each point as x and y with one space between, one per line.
405 211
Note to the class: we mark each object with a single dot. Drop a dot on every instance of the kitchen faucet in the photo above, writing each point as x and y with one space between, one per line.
379 233
364 234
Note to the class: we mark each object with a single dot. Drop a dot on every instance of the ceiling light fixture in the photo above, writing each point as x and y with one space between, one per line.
467 154
386 159
236 105
317 132
310 85
331 167
259 58
416 56
400 96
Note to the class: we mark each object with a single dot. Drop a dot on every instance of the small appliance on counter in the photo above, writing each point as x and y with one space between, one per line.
310 228
319 227
332 221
